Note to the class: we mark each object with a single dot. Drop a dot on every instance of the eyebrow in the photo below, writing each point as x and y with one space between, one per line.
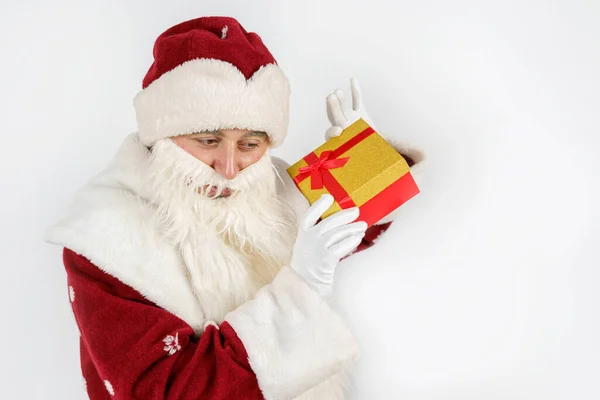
256 133
219 133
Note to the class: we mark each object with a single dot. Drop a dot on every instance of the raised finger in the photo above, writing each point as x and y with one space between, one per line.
342 99
334 111
356 94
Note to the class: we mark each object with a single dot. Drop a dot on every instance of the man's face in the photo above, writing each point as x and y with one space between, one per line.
222 184
227 151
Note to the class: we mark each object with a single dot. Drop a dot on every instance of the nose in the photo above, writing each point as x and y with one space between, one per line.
227 163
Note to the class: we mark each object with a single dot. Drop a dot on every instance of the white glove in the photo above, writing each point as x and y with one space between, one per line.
320 247
341 114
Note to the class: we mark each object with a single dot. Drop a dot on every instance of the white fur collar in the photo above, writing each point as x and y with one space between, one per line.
109 223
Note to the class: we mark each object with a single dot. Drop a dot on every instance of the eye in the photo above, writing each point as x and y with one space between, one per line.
210 142
249 145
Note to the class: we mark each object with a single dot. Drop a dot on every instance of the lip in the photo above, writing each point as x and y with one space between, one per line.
213 191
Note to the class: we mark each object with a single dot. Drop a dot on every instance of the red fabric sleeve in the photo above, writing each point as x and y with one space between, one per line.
132 349
371 235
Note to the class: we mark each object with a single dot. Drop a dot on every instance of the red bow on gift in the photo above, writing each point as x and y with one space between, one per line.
315 169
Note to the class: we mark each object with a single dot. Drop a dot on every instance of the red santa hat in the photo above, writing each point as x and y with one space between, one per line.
210 73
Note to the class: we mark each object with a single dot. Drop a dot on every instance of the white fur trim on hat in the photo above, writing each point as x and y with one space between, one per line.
208 94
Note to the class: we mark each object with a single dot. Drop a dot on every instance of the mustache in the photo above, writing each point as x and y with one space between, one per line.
171 166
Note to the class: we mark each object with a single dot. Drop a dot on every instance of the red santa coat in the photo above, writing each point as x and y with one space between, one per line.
133 349
143 334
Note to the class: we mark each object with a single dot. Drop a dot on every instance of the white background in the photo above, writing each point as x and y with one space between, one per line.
485 288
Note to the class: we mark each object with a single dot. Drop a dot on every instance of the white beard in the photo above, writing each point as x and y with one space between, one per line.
230 246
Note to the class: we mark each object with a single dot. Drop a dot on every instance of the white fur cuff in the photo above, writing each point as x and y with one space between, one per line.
293 338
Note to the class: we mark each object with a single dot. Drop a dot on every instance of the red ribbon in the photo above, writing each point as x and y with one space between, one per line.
316 168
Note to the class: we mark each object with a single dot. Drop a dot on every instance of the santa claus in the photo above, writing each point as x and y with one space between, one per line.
196 270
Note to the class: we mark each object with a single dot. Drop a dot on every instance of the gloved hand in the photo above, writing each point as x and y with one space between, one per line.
319 247
341 115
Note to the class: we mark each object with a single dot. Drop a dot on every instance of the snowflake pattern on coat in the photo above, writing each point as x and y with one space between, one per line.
71 294
171 344
109 388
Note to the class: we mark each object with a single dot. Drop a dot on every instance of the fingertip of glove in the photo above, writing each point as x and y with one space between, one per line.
333 131
326 198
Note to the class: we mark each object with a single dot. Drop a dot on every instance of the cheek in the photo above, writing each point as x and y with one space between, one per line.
192 147
247 159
